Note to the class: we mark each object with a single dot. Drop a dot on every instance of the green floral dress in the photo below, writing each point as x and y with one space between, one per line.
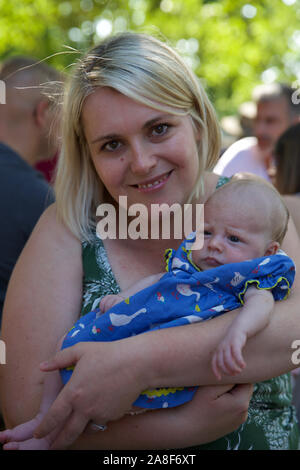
271 423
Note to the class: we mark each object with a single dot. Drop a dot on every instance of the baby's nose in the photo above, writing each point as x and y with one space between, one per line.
215 243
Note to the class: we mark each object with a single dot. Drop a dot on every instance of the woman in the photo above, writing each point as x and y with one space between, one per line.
137 124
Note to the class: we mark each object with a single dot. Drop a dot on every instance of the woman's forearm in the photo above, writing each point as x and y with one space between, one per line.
182 356
212 413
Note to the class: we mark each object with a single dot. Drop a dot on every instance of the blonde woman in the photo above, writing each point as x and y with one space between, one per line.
137 123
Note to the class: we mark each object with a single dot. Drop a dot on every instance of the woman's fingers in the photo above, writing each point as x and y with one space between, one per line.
222 408
56 416
235 403
66 357
72 429
242 394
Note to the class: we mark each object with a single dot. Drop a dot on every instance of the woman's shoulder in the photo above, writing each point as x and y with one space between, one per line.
51 227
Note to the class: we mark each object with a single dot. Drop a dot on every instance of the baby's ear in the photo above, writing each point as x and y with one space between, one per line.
272 248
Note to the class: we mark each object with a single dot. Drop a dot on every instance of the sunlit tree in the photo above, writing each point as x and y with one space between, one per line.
231 44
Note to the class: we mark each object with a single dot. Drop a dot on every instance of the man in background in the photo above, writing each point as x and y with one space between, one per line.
28 134
275 112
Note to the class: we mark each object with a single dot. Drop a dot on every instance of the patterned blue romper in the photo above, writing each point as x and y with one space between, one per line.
183 295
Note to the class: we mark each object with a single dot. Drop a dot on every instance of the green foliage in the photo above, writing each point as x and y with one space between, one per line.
232 44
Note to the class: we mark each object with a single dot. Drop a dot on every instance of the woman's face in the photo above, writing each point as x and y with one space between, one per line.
147 155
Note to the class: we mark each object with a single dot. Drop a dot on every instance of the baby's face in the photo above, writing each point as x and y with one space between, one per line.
230 235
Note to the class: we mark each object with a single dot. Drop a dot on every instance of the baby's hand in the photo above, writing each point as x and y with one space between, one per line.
228 357
21 437
109 301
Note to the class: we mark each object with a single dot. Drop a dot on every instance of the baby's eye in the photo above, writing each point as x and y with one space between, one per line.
207 233
160 129
234 238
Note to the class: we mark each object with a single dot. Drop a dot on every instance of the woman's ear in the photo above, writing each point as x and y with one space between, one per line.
272 248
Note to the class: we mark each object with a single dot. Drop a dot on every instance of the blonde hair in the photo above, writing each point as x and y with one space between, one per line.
147 71
260 194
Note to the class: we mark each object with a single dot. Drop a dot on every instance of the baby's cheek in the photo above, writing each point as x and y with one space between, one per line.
197 256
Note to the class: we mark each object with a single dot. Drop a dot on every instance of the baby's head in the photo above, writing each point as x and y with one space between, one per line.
244 219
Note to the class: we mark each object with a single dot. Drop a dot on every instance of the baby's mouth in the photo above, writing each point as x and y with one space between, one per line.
212 261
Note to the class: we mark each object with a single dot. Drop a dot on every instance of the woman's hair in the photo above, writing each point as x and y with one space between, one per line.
287 159
249 190
147 71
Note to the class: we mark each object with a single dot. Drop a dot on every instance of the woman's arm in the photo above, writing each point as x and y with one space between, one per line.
213 412
169 357
42 302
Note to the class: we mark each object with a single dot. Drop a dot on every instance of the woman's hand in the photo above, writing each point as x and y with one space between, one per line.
214 412
113 382
115 386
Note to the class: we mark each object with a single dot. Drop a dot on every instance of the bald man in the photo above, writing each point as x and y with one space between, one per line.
28 134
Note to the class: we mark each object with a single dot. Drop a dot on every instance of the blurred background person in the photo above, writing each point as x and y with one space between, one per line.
48 167
235 127
287 181
287 177
275 112
28 134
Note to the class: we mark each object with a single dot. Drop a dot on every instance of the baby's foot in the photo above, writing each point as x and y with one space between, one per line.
29 444
21 437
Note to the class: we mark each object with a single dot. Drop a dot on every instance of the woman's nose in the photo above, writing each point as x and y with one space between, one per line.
142 159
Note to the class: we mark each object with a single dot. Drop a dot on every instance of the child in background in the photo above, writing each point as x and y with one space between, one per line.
239 264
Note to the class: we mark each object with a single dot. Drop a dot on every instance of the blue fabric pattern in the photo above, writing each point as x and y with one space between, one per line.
184 295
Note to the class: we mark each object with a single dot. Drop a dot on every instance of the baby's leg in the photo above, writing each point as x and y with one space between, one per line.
21 437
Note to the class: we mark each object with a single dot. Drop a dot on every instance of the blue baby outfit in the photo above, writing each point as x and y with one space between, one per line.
183 295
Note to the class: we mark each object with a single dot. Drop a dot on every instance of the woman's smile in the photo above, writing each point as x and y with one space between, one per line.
153 184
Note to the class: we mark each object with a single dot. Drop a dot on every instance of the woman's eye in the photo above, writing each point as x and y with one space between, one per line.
111 146
234 239
160 129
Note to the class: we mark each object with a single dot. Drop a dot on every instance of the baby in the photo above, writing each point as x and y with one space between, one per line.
239 264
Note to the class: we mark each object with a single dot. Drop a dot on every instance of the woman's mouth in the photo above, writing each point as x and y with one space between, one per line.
153 184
